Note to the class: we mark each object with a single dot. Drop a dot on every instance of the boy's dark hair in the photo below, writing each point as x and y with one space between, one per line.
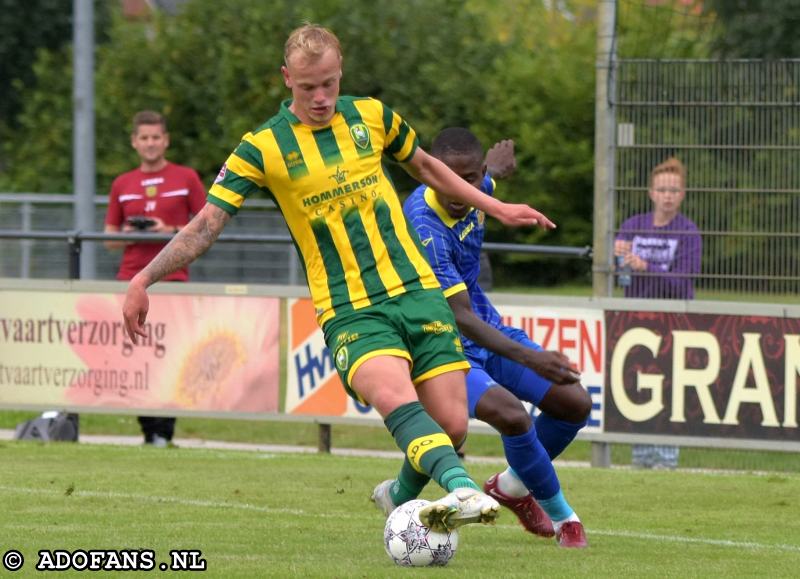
456 140
148 118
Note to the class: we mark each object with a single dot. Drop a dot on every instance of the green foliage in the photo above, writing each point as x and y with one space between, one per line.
664 29
18 50
508 70
27 26
214 73
543 98
40 152
708 28
757 28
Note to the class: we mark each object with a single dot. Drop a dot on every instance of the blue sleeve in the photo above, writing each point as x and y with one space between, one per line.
442 258
488 184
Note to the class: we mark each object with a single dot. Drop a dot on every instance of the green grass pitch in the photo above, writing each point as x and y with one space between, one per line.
274 515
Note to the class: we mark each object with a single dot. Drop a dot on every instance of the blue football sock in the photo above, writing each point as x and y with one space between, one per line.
529 460
555 435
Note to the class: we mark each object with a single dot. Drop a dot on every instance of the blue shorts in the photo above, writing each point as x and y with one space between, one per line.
490 370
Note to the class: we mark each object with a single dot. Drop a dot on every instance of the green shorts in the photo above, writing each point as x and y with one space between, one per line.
418 326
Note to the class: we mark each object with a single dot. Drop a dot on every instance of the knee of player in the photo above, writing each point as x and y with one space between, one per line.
581 405
509 418
457 433
567 402
455 428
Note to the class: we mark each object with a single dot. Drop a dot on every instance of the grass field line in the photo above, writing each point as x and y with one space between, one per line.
697 540
367 514
155 499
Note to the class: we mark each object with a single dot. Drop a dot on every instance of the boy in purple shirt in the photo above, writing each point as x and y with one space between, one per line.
663 246
662 250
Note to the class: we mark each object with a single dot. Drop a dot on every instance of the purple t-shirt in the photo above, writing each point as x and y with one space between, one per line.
669 251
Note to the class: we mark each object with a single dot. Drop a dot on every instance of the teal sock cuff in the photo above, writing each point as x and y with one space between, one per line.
556 507
457 478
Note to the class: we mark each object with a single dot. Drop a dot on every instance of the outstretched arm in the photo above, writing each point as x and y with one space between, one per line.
553 366
190 243
431 171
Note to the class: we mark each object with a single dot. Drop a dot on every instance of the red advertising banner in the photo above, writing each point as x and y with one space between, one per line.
204 353
702 375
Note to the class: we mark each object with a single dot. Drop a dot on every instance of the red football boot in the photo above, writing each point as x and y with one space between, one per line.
572 536
528 511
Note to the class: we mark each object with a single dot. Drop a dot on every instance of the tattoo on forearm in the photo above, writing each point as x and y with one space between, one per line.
190 243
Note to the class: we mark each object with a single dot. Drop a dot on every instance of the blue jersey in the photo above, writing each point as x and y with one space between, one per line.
454 249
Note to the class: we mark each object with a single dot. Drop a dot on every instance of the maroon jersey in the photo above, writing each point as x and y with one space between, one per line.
173 194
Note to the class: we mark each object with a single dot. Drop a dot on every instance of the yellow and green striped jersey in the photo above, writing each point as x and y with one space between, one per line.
340 205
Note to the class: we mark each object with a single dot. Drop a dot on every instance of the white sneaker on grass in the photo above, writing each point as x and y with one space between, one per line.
460 507
382 498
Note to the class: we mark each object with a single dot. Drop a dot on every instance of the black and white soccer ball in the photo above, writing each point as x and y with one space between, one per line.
411 544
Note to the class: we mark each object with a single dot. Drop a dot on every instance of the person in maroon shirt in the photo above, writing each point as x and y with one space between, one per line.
157 197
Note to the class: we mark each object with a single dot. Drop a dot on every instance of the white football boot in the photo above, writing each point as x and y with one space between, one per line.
382 498
460 507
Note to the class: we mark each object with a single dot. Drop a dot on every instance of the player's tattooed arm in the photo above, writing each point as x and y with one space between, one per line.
191 242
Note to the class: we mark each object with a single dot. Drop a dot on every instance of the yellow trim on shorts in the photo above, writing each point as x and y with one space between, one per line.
454 289
419 446
463 365
369 355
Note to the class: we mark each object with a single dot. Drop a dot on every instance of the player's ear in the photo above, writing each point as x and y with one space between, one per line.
166 139
287 80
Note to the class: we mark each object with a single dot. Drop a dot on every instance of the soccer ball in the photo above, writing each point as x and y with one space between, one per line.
411 544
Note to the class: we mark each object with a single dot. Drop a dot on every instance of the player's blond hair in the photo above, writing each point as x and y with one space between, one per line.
671 165
312 40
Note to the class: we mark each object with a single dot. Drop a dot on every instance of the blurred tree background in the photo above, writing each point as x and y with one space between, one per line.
520 69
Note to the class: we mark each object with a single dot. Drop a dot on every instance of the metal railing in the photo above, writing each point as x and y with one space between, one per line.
49 218
75 240
255 248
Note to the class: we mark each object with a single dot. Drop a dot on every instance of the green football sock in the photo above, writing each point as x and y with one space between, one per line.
408 485
429 453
